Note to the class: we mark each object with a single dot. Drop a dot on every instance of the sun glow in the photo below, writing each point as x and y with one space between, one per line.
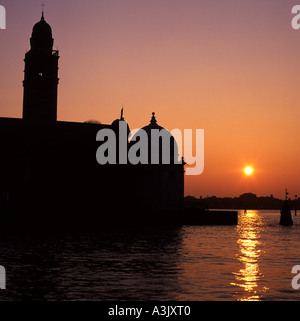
248 170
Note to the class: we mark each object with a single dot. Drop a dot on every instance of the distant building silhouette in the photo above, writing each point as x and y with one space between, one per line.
245 201
48 167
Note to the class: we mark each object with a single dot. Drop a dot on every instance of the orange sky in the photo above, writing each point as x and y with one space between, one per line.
228 67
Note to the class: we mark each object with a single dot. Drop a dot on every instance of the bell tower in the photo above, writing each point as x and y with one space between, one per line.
41 75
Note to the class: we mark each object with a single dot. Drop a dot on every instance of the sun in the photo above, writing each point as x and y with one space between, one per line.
248 170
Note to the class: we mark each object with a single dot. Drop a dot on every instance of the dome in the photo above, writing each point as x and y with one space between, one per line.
42 27
42 35
163 150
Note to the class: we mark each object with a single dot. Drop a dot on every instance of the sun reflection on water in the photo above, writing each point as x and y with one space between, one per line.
249 275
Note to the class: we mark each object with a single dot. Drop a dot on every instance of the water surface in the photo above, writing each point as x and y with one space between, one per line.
251 261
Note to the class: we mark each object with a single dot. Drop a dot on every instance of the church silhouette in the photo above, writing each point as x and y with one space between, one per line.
49 173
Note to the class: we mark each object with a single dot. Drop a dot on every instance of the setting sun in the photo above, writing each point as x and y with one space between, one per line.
248 170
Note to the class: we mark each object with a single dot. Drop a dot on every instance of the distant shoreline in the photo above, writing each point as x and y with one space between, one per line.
247 201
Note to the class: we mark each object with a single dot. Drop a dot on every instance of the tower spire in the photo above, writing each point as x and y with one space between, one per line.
43 6
122 113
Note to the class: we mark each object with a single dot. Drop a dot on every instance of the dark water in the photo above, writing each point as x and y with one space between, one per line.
251 261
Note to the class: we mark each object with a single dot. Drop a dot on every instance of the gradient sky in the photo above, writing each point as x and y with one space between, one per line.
230 67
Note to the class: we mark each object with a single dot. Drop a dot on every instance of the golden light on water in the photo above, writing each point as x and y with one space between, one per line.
249 275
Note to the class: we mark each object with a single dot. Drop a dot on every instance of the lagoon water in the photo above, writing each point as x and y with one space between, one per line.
250 261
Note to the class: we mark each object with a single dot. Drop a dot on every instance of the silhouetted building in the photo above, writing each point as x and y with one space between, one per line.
41 75
49 168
